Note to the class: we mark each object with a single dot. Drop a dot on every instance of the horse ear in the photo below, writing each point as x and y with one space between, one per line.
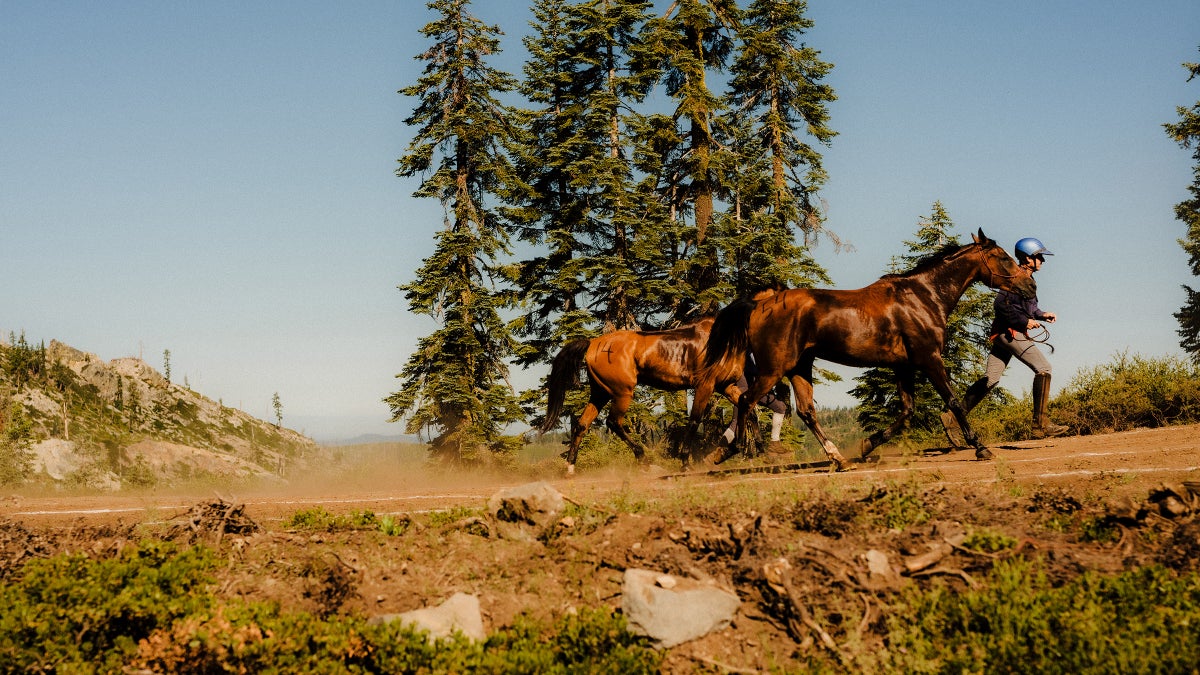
981 238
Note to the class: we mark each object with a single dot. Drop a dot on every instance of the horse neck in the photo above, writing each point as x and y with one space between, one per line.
950 280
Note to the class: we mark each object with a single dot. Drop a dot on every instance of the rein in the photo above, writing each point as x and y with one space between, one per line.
1042 338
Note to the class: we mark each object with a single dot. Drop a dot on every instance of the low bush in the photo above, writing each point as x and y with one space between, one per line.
1141 621
320 519
70 613
1130 392
151 608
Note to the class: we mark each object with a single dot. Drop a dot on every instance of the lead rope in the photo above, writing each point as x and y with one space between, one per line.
1042 338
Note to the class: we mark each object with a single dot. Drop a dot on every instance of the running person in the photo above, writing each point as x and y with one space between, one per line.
1014 318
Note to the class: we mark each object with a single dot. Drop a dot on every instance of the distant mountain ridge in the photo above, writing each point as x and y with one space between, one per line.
369 439
69 416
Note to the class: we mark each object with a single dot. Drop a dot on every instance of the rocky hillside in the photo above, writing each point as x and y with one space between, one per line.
67 416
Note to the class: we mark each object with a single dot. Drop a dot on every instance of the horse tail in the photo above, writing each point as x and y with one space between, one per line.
564 374
728 343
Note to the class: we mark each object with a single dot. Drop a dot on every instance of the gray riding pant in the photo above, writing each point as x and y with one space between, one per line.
1005 347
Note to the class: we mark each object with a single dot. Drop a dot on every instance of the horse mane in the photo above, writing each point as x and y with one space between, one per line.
934 259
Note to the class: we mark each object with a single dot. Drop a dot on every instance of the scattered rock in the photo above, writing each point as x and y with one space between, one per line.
687 610
459 614
525 512
880 573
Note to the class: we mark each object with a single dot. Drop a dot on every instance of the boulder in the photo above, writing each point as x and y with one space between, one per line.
525 512
672 610
459 614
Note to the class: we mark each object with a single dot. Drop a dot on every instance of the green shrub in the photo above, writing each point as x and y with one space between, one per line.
986 540
1099 530
319 519
70 610
440 519
1143 621
150 609
897 506
1130 392
394 527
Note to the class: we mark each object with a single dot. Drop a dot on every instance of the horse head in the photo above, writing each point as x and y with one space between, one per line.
1000 270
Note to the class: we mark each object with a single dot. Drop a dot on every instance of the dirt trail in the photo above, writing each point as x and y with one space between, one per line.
1129 462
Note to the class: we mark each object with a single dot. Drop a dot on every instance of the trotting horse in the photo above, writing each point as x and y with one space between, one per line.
616 363
898 322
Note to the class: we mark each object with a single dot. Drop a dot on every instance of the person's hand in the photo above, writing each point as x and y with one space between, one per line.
1032 325
1050 317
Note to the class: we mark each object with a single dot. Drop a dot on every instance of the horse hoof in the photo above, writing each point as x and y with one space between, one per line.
842 466
570 471
866 448
983 454
725 455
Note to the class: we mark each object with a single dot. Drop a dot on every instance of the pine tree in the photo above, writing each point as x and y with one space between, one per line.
455 382
966 340
694 38
1186 133
777 103
580 80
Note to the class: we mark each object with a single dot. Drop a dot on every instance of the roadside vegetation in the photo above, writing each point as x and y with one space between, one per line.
165 604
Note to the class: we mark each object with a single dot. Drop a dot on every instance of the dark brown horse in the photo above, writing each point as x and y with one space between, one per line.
616 363
897 322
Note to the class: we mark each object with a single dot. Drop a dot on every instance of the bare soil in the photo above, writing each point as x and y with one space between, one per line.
801 548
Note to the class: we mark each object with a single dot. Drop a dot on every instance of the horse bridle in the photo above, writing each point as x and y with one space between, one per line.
992 274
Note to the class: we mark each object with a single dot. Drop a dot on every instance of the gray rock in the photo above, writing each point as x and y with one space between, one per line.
525 512
671 610
459 614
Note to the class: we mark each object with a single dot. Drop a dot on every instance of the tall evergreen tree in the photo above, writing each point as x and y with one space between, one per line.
455 382
694 38
777 105
966 340
1186 133
582 84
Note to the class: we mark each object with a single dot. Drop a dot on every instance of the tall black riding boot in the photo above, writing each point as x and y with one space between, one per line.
1042 426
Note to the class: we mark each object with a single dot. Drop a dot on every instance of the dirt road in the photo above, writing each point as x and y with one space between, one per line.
1118 464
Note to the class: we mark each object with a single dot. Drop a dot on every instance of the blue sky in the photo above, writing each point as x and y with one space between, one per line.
216 179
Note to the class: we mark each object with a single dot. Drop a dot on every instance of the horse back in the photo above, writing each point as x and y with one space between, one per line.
666 359
852 327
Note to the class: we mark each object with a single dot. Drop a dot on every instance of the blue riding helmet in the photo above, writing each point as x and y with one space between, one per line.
1029 247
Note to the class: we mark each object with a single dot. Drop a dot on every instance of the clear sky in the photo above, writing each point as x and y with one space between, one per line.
216 179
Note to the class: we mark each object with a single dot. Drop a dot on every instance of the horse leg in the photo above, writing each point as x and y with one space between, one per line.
597 401
616 422
941 382
906 384
806 409
735 395
687 441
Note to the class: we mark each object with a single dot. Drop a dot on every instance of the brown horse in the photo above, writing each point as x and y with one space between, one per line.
617 362
898 322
